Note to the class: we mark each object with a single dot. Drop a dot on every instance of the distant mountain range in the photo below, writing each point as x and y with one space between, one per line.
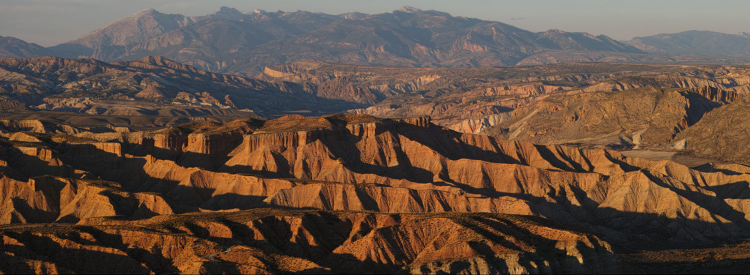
14 47
695 43
229 41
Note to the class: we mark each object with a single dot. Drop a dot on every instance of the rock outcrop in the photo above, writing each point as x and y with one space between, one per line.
52 199
720 135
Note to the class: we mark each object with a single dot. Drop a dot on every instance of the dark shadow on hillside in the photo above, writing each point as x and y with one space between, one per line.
129 172
31 214
566 164
713 204
277 235
693 266
127 205
448 144
627 231
343 146
232 200
650 232
544 246
296 98
708 168
77 260
14 263
154 261
32 166
730 191
699 106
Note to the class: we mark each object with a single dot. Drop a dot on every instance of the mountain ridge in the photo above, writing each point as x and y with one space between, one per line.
229 41
695 43
14 47
409 36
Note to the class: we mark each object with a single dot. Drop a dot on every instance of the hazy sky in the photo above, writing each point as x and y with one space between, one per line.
50 22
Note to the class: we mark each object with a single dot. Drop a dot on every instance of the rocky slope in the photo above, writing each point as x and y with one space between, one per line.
111 40
127 184
720 134
354 162
635 118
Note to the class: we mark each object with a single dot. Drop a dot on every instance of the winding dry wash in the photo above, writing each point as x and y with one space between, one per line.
406 142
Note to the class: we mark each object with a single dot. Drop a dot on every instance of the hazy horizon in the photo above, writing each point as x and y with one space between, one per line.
49 23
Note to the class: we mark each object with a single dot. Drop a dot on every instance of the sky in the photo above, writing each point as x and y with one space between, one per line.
51 22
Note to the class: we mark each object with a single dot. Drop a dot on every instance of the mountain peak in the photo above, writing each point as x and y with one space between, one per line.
353 15
227 13
551 31
409 9
145 12
258 11
14 47
136 28
225 9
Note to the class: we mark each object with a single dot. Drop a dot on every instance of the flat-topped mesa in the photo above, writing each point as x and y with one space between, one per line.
170 141
35 126
286 139
202 143
94 151
374 128
213 143
200 137
421 121
291 138
109 147
43 154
